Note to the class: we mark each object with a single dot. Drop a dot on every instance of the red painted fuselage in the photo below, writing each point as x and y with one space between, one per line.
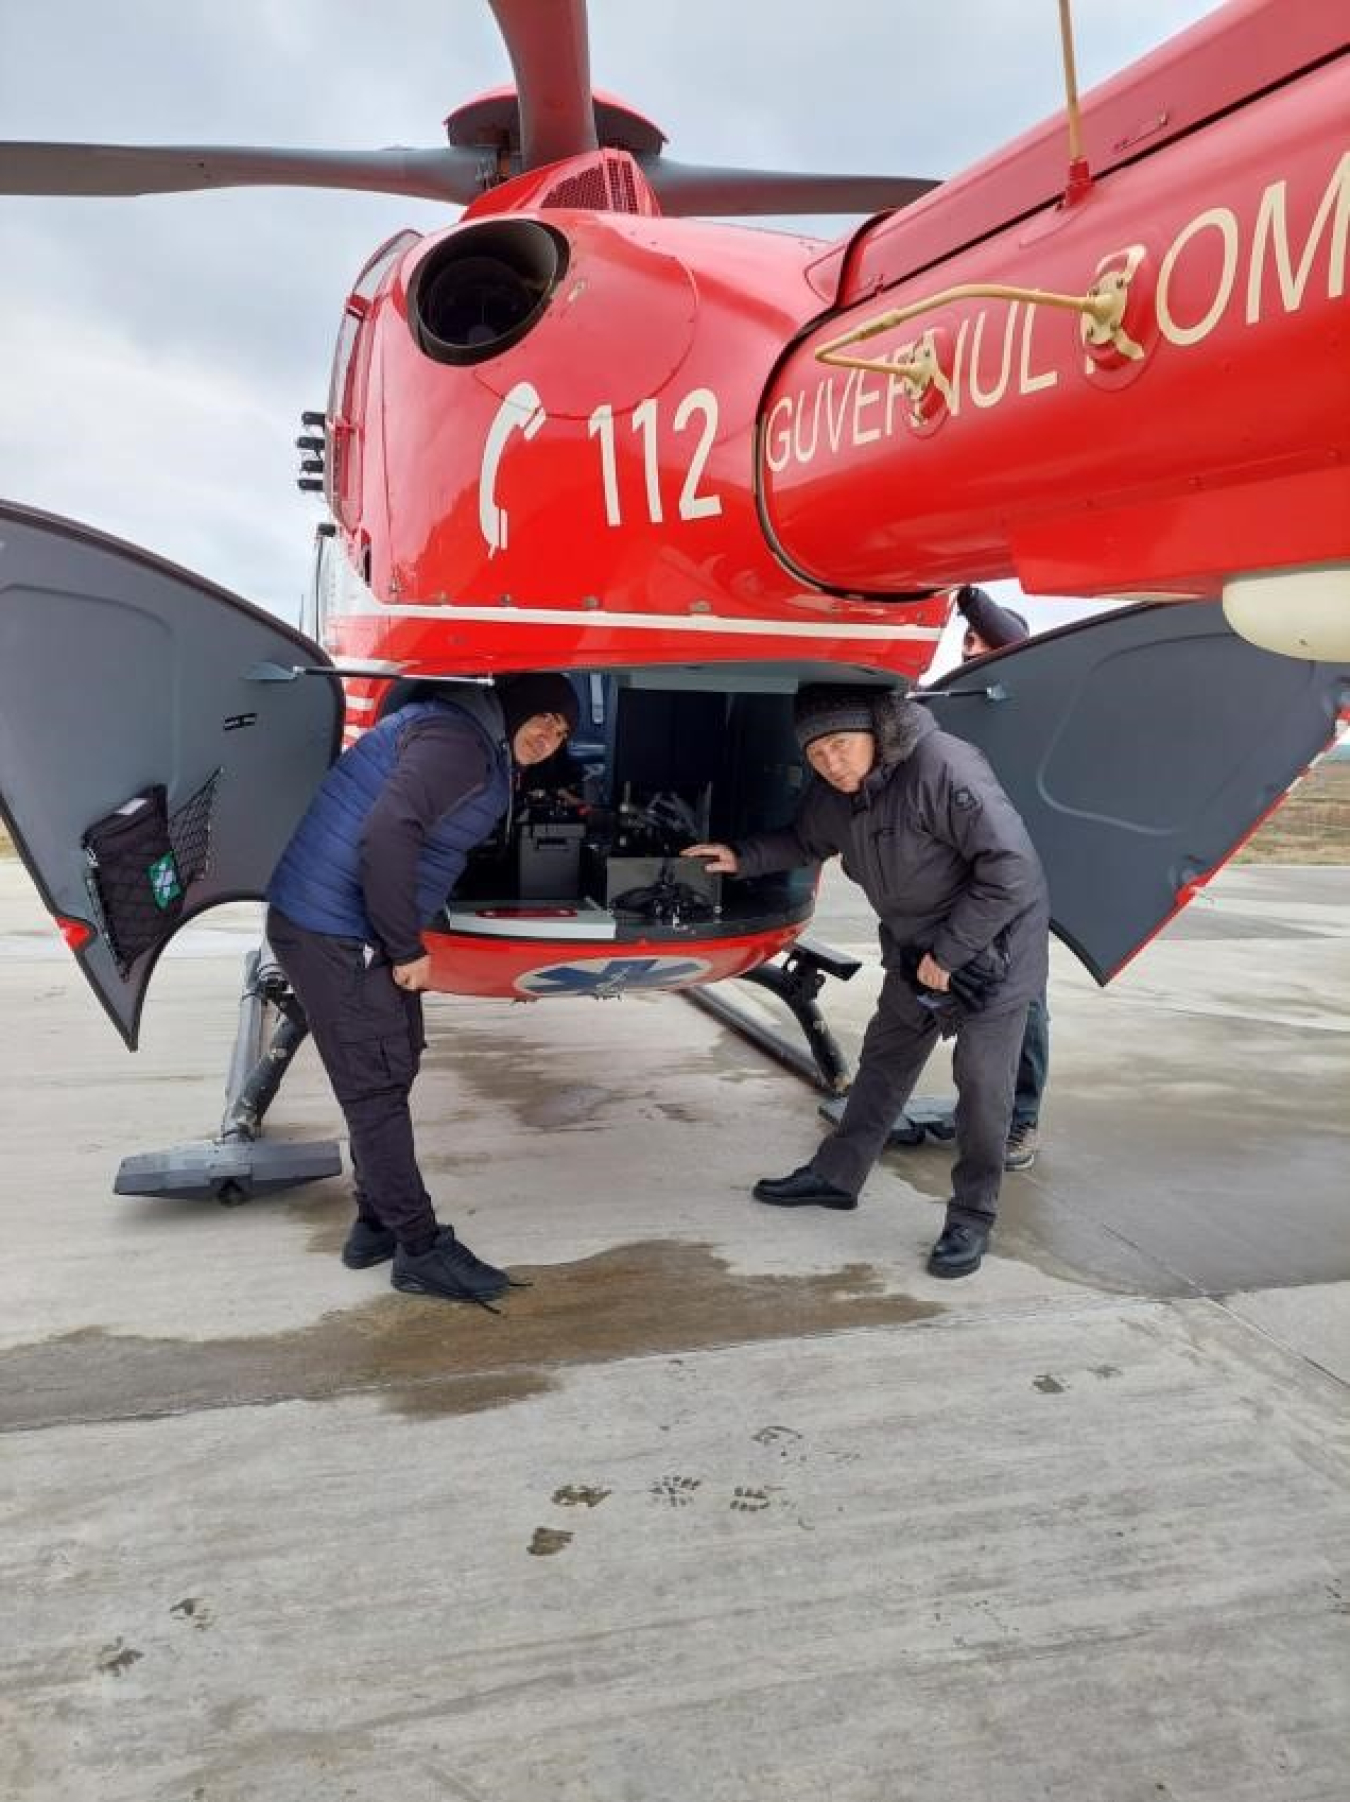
656 470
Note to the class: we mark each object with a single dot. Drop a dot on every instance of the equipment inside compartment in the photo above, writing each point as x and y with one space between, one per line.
649 769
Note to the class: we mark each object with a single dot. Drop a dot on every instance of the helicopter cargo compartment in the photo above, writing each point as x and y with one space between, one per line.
662 758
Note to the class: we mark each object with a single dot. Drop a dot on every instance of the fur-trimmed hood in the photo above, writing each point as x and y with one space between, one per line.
900 724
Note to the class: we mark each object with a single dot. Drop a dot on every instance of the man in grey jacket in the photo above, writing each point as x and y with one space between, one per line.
922 825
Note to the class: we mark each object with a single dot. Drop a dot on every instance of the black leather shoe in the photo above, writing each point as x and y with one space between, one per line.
959 1250
367 1245
803 1189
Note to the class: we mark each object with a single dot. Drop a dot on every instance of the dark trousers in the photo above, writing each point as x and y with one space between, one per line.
368 1033
1033 1064
895 1049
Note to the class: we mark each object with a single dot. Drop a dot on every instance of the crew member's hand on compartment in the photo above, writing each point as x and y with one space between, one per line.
721 859
416 975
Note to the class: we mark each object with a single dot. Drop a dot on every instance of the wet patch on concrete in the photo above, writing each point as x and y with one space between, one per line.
1066 1244
672 1110
926 1168
453 1163
731 1060
328 1232
534 1081
436 1358
573 1105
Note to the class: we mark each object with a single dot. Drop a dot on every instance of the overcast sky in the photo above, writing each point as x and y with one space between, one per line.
155 354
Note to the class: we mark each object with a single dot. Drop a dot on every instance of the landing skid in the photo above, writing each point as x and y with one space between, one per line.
235 1166
926 1117
796 982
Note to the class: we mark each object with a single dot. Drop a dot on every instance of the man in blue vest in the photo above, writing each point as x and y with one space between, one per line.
381 847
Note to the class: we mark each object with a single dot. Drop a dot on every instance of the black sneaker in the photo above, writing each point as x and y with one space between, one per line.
449 1270
367 1244
1023 1143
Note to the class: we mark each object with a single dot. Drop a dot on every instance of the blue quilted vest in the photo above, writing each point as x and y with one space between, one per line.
317 883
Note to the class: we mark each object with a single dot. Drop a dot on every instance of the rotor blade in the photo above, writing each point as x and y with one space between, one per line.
551 60
453 174
690 188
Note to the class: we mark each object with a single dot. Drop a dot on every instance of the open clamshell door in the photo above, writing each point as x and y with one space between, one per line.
132 691
1141 747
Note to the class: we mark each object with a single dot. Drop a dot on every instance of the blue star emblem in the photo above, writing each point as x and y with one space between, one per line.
613 976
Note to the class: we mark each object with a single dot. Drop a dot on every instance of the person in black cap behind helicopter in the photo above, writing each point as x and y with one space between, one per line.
371 863
989 627
924 828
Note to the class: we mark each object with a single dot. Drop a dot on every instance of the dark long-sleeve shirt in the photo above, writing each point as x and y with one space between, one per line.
441 764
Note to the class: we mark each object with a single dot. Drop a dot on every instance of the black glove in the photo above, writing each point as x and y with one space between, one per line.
974 983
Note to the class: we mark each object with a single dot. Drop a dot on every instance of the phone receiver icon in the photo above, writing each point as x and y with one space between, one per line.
522 411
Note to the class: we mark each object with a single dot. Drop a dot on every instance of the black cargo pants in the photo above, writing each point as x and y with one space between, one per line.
895 1049
368 1033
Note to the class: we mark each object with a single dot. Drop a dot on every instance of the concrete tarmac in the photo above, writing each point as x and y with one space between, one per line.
727 1505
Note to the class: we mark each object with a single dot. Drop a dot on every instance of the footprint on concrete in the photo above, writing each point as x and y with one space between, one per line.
785 1443
548 1540
195 1610
773 1435
1048 1385
749 1501
117 1658
579 1495
677 1491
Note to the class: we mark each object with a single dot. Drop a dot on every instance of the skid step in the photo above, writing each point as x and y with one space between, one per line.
228 1171
926 1117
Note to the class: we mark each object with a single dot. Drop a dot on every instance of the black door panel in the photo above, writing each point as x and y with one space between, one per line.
119 672
1141 747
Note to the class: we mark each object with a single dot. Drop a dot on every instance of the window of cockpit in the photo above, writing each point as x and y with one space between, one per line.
351 363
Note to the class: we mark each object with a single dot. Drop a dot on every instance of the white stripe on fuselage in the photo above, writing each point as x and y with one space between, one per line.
651 622
347 595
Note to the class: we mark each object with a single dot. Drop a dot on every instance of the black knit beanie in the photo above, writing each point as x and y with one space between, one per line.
997 626
545 692
825 708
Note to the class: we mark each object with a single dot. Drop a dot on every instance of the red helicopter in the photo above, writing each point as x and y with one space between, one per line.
696 464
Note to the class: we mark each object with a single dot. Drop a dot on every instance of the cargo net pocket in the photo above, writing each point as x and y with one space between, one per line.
140 864
190 831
